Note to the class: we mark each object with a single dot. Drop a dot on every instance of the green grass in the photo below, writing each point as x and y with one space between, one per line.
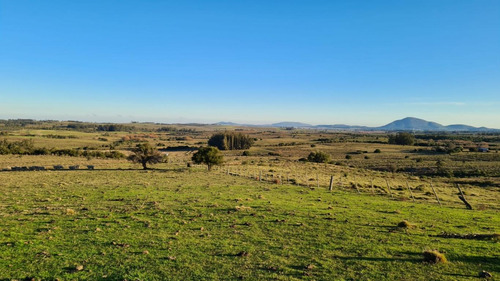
196 225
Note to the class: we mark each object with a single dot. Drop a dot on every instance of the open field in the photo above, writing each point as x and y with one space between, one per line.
265 215
192 224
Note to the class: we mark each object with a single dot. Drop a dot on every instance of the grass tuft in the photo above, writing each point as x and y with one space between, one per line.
405 224
434 256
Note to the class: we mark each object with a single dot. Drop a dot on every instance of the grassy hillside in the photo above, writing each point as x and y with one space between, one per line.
182 224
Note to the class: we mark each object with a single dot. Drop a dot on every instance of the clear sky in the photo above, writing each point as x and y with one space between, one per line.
256 61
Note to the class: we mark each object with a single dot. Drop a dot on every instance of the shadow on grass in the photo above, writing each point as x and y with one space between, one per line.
461 275
486 263
380 259
109 169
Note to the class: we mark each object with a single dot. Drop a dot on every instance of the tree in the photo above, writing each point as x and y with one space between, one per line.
209 156
145 154
402 138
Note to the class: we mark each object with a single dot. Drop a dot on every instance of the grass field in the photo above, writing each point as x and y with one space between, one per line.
266 216
195 225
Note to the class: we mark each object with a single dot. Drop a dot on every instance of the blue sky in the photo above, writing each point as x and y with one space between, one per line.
320 62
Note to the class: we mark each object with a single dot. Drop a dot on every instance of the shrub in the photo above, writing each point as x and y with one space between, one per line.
348 156
405 224
318 157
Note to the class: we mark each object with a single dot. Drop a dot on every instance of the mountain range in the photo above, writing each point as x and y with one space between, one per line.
405 124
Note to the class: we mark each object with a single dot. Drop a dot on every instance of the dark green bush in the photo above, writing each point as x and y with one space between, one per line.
318 157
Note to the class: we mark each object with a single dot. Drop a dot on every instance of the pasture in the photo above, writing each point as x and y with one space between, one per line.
261 216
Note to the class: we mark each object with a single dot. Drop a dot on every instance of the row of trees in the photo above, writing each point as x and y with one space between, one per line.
222 141
402 138
230 141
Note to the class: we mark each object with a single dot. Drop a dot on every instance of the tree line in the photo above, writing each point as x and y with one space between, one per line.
230 141
27 147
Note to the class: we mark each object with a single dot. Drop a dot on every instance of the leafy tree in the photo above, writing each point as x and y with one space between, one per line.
208 155
318 157
145 154
230 141
402 138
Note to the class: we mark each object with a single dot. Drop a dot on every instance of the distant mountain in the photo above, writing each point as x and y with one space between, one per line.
291 124
227 124
342 127
412 124
405 124
415 124
460 127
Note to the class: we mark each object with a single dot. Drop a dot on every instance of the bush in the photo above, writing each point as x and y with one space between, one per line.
318 157
245 153
348 156
377 151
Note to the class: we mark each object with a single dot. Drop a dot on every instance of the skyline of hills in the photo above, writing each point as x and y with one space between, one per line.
405 124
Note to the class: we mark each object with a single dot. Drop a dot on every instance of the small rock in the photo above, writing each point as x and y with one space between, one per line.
485 274
79 267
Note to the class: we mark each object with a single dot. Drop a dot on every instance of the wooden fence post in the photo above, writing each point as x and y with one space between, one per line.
371 182
356 185
411 193
435 194
462 197
331 184
317 180
389 188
